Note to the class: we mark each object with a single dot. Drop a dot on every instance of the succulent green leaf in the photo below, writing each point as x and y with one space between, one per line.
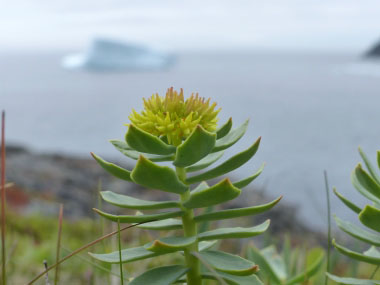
125 149
314 261
160 275
151 175
274 274
229 263
347 202
356 255
170 244
231 138
205 226
362 190
233 279
367 181
371 169
205 162
127 255
197 146
235 213
231 164
139 218
370 217
145 142
205 245
373 252
129 202
351 281
378 158
219 193
225 129
168 224
238 232
246 181
358 232
113 169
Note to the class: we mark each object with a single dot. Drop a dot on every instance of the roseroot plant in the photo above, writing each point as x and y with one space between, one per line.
367 183
185 133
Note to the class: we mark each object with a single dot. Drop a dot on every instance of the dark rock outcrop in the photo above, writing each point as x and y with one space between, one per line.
49 179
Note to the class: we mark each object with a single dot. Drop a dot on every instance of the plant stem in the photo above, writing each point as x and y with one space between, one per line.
328 225
121 263
60 218
3 259
190 230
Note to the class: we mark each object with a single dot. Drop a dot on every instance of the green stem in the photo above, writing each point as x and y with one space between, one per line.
190 229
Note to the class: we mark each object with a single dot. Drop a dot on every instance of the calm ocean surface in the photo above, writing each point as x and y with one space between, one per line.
312 111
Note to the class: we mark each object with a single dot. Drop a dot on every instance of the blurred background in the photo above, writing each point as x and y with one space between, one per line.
304 72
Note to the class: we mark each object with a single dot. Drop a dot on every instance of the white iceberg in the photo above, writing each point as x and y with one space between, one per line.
111 55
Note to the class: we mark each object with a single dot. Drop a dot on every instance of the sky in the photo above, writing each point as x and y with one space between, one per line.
331 25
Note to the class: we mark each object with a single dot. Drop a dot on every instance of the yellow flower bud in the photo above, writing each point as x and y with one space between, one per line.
174 117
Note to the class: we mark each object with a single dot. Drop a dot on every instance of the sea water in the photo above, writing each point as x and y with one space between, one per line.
312 111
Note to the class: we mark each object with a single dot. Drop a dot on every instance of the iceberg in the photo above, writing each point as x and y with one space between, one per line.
112 55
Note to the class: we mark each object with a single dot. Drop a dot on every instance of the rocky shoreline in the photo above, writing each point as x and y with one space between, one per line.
42 181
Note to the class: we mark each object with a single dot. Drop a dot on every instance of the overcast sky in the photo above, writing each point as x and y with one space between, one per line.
331 25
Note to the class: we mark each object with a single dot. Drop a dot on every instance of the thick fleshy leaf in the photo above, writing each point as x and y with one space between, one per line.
231 138
233 279
235 213
362 190
378 158
351 281
139 218
127 255
160 275
170 244
229 263
358 232
205 245
125 149
347 202
115 170
205 162
246 181
356 255
229 165
238 232
197 146
373 252
370 217
205 226
367 181
168 224
129 202
207 196
145 142
266 267
224 130
369 166
314 261
151 175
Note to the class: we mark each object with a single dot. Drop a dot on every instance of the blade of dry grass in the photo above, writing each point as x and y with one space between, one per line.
3 254
46 275
93 263
60 218
83 248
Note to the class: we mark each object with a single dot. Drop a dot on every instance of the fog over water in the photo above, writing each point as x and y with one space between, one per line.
312 111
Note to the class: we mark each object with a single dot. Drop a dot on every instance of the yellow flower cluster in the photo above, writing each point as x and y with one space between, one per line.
174 118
